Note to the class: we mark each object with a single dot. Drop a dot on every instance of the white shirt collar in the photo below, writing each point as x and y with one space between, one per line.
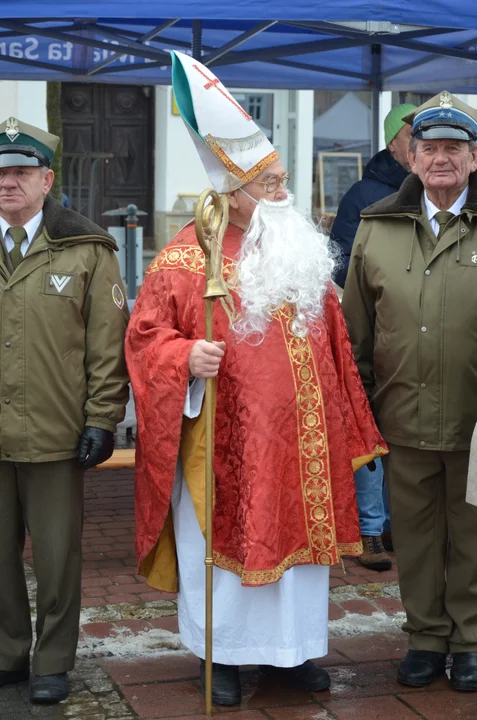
30 227
431 209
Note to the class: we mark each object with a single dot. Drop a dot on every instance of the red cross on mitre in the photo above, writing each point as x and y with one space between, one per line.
215 82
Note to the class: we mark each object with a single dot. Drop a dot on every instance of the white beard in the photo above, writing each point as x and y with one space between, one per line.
284 258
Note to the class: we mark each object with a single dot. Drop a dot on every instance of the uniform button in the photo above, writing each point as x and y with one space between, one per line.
423 386
8 344
423 329
7 401
427 272
7 454
422 443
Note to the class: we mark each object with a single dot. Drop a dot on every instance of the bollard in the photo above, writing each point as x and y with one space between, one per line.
131 225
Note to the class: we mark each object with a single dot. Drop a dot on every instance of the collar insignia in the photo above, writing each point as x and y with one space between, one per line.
12 131
445 100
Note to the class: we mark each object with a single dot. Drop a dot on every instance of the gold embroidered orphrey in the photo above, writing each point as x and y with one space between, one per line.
313 449
12 131
445 100
186 257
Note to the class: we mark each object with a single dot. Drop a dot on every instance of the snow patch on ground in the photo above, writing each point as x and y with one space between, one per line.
342 679
371 591
355 624
124 644
129 611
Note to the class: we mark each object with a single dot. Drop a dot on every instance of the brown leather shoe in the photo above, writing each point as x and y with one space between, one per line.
374 556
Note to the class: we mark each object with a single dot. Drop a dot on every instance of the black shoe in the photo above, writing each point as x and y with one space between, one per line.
308 676
49 688
464 671
13 676
420 667
225 684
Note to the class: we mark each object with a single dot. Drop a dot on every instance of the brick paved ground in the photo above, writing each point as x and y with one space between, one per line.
122 671
362 670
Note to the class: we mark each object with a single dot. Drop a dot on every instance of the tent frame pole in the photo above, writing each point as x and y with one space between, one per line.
376 90
197 39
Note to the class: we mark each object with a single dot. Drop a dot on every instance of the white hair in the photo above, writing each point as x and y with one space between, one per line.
284 258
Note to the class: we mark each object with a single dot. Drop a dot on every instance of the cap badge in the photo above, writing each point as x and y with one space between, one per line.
12 131
445 100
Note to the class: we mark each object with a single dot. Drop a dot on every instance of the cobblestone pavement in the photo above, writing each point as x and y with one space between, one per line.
94 696
131 663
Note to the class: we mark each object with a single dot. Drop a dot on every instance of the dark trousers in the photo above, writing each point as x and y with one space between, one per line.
47 499
435 538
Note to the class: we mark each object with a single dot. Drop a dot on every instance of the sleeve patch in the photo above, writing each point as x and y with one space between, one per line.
118 296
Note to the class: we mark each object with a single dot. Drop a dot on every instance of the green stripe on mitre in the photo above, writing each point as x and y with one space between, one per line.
23 139
183 96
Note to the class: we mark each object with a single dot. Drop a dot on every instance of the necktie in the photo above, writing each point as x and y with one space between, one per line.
442 217
18 235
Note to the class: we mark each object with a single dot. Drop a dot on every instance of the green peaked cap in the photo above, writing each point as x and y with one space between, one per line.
25 145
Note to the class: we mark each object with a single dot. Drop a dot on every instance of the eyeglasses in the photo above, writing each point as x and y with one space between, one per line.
273 182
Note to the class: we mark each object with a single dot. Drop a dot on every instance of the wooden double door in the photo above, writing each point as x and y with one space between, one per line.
115 120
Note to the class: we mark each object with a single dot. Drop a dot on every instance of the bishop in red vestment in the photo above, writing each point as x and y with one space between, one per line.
292 423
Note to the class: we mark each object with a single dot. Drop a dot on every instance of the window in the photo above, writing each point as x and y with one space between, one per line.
260 107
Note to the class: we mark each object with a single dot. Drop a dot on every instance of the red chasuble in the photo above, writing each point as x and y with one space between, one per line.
292 421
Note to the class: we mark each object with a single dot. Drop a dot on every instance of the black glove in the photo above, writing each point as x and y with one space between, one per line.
95 447
371 466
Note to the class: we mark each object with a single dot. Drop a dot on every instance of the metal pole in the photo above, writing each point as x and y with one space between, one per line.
210 229
197 39
79 202
209 507
377 84
71 169
92 188
131 226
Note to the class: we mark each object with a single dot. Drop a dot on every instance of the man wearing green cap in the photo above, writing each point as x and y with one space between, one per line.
410 307
63 389
383 175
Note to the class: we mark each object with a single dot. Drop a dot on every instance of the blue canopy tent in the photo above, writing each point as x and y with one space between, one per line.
330 44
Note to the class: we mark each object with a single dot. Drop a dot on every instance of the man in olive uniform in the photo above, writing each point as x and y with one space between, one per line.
411 306
63 389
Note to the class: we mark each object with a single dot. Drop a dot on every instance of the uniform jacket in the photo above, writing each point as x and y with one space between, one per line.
410 303
382 176
63 317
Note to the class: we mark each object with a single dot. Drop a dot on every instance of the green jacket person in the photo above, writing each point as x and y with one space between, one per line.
410 304
63 389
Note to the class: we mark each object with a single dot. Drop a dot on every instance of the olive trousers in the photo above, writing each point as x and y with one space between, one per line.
435 538
47 500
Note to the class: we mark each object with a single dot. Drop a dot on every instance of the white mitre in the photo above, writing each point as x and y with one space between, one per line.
231 146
